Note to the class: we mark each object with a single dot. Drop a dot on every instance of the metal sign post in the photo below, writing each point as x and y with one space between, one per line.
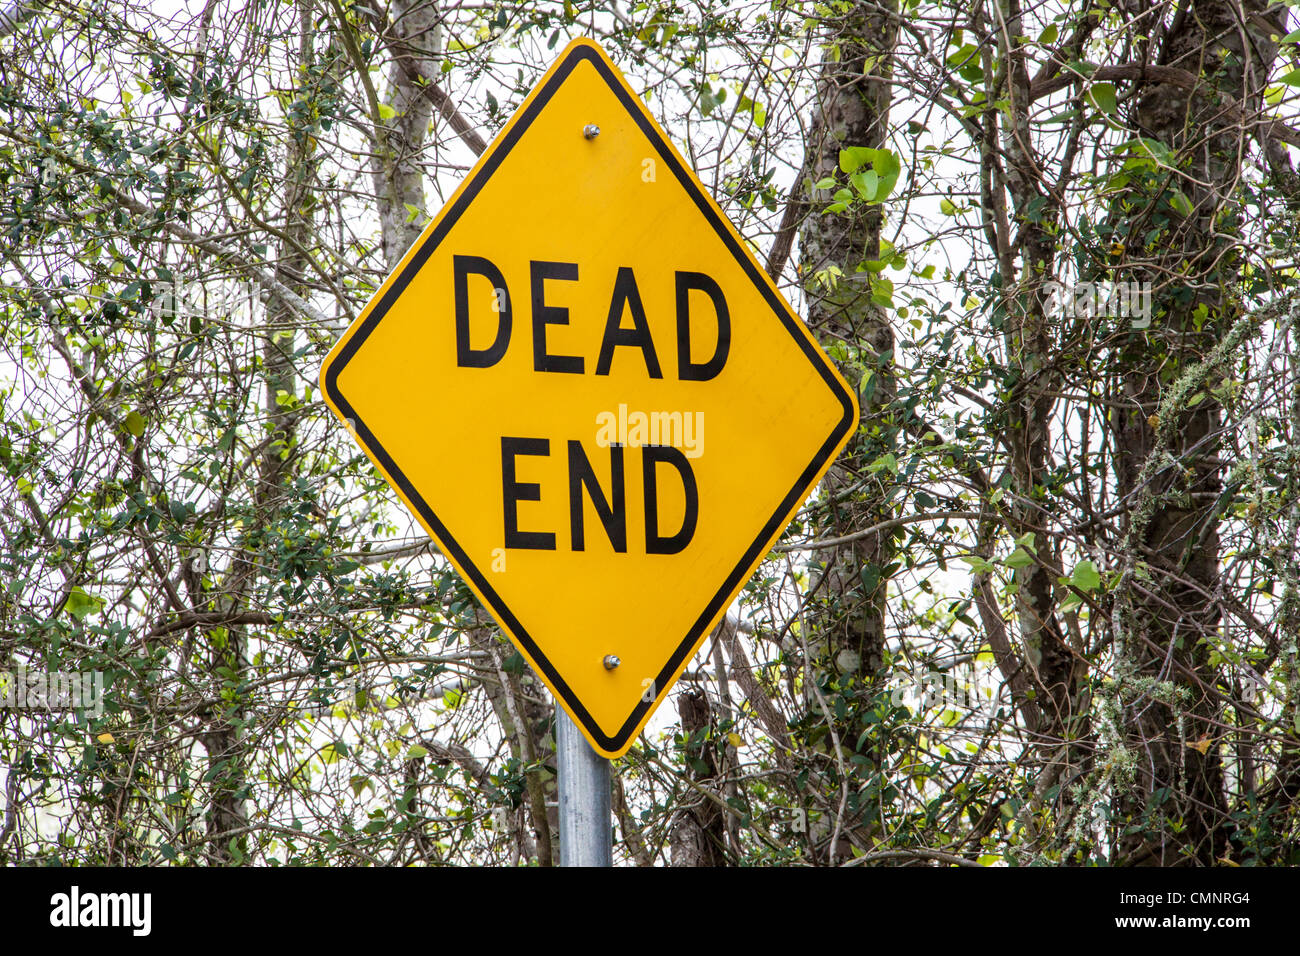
585 838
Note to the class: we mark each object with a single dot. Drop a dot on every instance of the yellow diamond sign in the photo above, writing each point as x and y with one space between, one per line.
588 391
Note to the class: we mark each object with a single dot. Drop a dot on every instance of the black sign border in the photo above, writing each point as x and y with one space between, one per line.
497 153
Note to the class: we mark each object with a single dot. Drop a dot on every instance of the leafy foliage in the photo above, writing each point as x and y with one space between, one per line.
193 209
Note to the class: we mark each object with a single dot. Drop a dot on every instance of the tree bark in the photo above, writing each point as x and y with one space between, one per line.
1167 445
698 836
228 646
1027 259
852 109
414 38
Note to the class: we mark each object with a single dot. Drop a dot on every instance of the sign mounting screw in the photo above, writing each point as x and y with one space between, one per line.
611 661
591 131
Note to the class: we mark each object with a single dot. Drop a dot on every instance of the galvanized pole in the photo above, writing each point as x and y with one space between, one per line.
584 798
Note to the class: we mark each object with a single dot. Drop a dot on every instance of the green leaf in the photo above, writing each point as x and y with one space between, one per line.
134 423
416 752
386 112
842 199
1145 146
1085 576
963 55
852 158
870 576
866 182
947 208
1290 79
885 461
80 604
882 293
1102 96
1181 204
885 168
1019 558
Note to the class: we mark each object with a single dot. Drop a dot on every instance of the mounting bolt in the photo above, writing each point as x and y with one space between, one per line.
591 131
611 661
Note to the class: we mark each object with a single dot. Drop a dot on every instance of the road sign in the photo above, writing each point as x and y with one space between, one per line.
592 396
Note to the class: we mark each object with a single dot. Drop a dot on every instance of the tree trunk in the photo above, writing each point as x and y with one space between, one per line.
853 96
227 756
698 836
1167 442
414 38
